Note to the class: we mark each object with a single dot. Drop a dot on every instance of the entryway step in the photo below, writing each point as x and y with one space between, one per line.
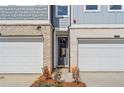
61 69
66 75
65 70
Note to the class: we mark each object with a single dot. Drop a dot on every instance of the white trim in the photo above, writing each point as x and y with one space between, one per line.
98 9
56 11
122 10
49 13
98 26
14 22
55 50
71 15
61 29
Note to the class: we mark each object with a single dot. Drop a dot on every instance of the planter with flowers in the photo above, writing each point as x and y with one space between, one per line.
46 80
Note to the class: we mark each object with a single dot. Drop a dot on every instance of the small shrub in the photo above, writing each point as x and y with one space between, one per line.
46 85
59 84
75 74
46 73
57 76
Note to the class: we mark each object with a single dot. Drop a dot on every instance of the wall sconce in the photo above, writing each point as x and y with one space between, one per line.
38 27
74 21
116 36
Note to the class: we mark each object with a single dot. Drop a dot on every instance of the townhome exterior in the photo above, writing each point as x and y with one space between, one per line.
25 38
87 36
96 37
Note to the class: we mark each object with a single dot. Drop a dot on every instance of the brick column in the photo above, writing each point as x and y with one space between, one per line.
47 46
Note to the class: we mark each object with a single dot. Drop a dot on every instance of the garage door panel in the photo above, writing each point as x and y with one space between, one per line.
17 59
20 70
101 57
21 57
18 50
101 50
96 60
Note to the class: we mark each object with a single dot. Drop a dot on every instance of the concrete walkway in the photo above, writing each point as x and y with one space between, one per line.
17 80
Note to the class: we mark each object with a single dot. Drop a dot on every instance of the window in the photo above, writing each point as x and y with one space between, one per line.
62 11
91 8
115 8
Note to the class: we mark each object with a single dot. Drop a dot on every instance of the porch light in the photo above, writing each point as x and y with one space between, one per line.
116 36
38 27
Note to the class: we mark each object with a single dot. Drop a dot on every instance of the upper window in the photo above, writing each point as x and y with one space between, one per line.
115 8
62 11
91 8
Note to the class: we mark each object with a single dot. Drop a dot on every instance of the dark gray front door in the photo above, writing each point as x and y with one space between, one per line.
62 51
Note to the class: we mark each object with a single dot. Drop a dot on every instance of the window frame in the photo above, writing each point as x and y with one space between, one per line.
115 10
98 9
56 11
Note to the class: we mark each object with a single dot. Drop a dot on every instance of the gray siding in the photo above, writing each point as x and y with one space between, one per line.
60 22
102 17
24 12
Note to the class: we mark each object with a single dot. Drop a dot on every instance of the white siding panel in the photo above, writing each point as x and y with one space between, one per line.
24 12
101 17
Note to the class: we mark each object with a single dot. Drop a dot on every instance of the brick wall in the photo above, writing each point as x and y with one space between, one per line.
31 30
87 34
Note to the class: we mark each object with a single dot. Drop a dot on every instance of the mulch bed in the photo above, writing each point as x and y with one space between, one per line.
74 84
41 80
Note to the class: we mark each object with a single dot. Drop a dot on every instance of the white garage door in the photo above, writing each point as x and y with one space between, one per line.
101 55
21 55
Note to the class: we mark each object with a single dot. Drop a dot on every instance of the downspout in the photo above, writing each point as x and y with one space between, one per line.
53 28
69 39
53 63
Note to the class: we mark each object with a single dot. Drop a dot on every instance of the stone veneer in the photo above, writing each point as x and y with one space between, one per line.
31 30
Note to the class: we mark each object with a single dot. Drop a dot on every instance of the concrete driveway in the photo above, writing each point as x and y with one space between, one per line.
92 79
17 80
103 79
99 79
